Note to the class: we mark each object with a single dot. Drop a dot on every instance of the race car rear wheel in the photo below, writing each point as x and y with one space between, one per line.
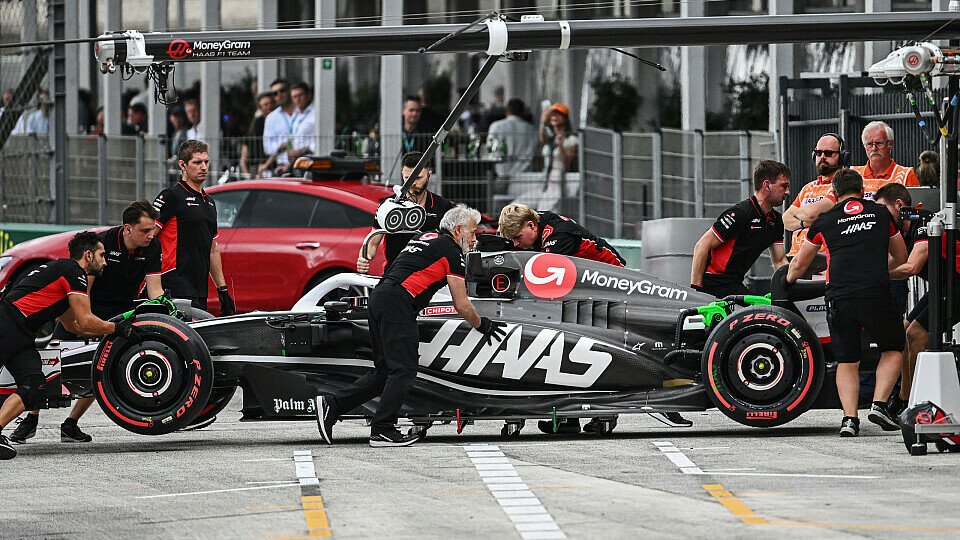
156 384
763 366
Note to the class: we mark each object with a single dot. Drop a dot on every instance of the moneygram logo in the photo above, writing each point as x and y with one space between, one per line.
178 49
547 275
852 207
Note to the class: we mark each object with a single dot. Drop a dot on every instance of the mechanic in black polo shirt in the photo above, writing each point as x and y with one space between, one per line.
55 290
723 254
424 266
553 233
435 205
132 254
859 234
188 236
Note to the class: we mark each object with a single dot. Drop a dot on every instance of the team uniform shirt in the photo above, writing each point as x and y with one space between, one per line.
188 222
918 234
856 233
423 266
114 291
42 296
894 173
818 189
562 235
435 205
744 231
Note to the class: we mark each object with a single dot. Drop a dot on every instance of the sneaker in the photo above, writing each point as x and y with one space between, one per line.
395 438
672 419
565 426
850 426
27 429
72 433
895 405
880 416
595 425
326 418
6 449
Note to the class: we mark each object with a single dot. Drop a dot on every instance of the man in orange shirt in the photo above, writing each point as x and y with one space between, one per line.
816 197
877 140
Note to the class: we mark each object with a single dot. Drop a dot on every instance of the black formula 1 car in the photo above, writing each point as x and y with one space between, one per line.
584 339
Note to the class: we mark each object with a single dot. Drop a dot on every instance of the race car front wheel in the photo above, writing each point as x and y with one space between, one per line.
763 366
219 399
157 383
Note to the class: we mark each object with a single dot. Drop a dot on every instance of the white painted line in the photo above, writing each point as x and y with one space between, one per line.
310 481
680 459
729 470
215 491
482 448
272 482
662 443
685 464
265 459
513 495
302 453
305 470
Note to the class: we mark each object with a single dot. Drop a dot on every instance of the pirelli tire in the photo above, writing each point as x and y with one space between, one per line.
763 366
156 384
219 399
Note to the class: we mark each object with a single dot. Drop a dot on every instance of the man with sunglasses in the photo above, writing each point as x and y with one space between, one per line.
877 138
280 126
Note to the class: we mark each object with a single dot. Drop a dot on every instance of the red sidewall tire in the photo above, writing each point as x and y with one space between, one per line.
157 384
763 366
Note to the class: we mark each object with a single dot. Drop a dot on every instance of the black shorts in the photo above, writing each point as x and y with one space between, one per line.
18 350
921 312
878 315
722 285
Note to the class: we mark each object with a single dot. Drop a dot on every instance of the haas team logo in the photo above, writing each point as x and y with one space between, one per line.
548 275
429 236
178 49
547 231
852 207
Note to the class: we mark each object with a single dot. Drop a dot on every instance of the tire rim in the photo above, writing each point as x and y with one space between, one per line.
148 375
762 370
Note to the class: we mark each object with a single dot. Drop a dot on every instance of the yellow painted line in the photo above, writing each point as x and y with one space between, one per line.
734 505
318 526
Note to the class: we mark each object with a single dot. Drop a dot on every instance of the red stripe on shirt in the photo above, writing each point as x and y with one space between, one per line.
590 250
418 281
43 298
168 246
719 257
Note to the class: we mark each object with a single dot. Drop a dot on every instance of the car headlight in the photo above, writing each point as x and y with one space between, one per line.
5 261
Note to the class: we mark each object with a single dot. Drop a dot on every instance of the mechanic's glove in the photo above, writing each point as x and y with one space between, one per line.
492 329
127 330
227 307
696 287
122 317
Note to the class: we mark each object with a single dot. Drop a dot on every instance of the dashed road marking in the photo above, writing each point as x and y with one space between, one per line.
515 498
212 491
314 513
734 505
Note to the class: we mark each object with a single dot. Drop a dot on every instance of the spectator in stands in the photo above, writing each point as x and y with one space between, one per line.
97 127
279 128
178 129
877 138
37 122
251 154
928 170
136 120
413 138
192 108
496 110
514 140
560 145
6 99
304 139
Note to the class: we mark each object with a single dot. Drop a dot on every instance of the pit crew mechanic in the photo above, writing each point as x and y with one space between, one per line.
858 234
133 257
553 233
424 266
55 290
188 235
435 205
896 197
724 253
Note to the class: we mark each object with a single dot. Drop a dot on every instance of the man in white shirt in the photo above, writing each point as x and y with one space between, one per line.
38 121
192 109
306 128
516 141
278 129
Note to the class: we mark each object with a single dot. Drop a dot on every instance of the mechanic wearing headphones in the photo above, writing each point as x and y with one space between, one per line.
424 266
435 205
724 253
188 236
830 155
55 290
858 235
133 257
552 233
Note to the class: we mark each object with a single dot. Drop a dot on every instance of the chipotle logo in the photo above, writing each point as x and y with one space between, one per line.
548 275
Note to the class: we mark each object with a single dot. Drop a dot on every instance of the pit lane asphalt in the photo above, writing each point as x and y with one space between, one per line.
238 480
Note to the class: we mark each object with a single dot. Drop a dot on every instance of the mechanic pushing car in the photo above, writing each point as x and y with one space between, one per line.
188 235
724 253
858 234
553 233
435 205
55 290
424 266
914 229
133 258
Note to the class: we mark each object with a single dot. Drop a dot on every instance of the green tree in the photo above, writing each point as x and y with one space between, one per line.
749 102
615 103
